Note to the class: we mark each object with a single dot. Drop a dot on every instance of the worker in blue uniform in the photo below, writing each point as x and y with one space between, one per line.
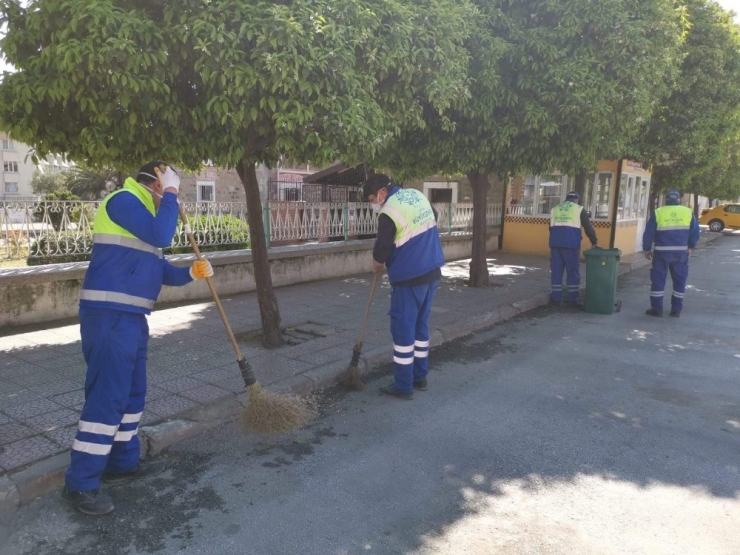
566 221
674 231
407 245
126 272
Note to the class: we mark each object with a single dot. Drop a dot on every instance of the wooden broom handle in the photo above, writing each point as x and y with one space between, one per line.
367 310
219 306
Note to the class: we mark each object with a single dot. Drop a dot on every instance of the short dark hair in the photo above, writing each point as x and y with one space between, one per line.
147 174
375 183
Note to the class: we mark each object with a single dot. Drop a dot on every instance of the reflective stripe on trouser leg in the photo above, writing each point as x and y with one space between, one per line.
573 269
679 268
110 341
421 343
404 312
126 449
557 267
658 274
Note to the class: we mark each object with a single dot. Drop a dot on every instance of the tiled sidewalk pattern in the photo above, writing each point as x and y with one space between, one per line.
190 363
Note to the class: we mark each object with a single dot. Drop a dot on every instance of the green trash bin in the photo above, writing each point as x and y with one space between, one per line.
602 267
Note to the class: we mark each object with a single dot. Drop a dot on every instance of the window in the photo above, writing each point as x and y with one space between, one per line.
206 191
642 208
526 206
10 167
551 191
733 209
11 187
7 144
603 189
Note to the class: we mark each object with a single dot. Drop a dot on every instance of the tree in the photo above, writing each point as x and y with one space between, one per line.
555 85
689 133
91 184
236 82
721 181
44 183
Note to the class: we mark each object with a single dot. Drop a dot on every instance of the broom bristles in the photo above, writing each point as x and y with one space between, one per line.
271 413
350 378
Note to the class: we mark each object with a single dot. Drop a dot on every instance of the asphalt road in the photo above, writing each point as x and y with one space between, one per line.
555 433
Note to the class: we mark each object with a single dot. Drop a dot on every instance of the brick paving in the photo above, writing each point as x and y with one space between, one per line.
42 373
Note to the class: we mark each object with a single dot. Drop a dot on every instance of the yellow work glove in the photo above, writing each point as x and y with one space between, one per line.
201 269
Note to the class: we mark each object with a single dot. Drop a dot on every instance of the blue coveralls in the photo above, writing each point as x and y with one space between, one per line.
416 253
565 249
674 229
122 282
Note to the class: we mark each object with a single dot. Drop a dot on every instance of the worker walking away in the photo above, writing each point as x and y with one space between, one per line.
674 231
566 220
408 246
126 272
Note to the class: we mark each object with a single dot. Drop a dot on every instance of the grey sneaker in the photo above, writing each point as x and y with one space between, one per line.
421 385
93 502
141 470
393 392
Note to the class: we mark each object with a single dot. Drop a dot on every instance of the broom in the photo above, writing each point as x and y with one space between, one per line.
266 412
350 378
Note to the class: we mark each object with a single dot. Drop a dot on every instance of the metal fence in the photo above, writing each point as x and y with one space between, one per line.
61 231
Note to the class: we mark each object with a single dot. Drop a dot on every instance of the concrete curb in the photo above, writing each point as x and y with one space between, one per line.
21 487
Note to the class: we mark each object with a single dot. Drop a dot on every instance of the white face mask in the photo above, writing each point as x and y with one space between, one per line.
377 208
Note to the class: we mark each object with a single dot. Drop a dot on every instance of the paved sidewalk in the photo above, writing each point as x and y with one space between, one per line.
192 367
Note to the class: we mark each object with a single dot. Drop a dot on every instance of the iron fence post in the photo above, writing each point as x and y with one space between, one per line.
449 219
346 221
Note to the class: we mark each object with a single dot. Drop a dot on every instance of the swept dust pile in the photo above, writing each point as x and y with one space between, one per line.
270 413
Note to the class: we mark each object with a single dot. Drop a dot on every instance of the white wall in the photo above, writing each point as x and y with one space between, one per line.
20 154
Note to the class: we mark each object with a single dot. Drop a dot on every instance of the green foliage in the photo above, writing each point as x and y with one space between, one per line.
722 180
233 82
555 85
59 248
213 233
91 184
44 183
53 210
688 136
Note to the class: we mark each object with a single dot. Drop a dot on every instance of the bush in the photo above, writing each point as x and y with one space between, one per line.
213 233
59 248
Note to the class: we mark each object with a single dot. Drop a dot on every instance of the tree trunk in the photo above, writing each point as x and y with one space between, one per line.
269 309
479 261
580 184
696 205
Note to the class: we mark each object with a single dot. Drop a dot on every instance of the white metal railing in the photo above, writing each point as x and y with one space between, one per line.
48 231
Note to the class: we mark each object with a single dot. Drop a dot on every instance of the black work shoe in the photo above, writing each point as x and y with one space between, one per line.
93 502
421 385
393 392
675 314
654 312
141 470
555 303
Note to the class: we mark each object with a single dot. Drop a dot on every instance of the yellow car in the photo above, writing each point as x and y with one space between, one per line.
720 217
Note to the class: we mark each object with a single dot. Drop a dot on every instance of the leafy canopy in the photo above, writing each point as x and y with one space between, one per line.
691 130
555 85
233 81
